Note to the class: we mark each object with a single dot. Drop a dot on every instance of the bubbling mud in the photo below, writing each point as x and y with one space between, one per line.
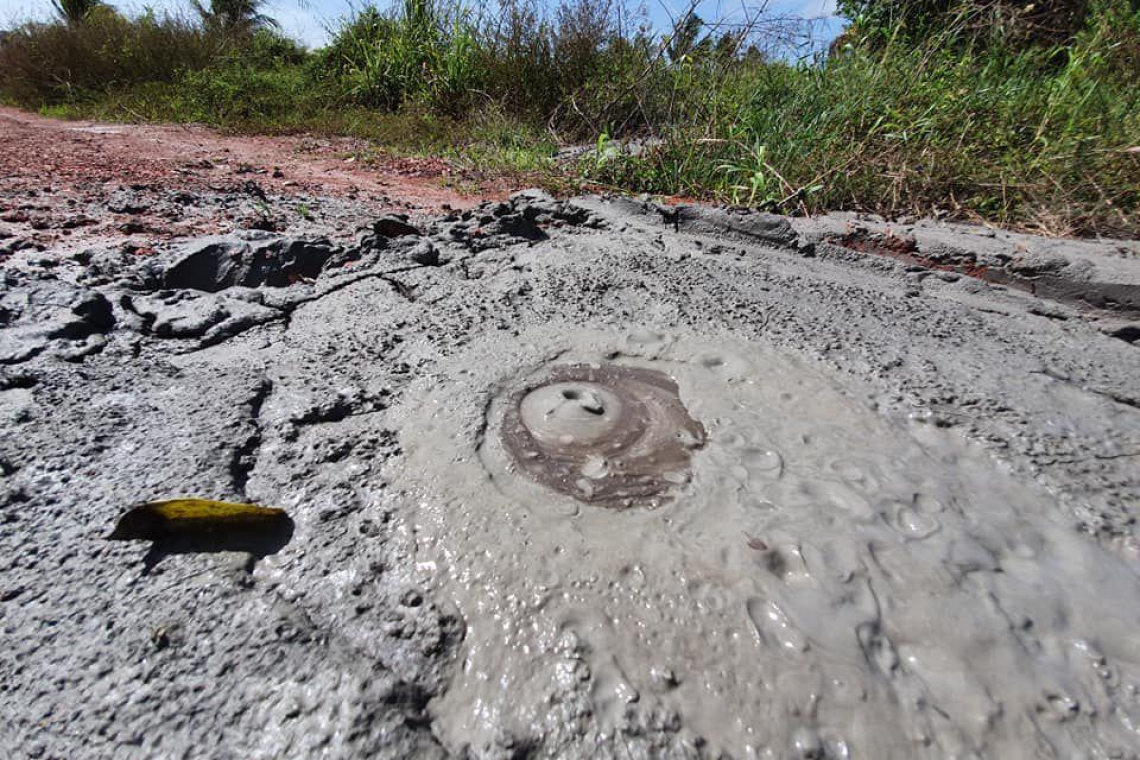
602 433
830 582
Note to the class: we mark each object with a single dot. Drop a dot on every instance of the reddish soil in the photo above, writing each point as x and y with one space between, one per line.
54 176
905 248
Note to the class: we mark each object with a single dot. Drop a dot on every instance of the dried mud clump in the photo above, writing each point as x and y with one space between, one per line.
608 435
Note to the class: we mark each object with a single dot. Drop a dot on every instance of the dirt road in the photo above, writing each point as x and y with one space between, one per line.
79 183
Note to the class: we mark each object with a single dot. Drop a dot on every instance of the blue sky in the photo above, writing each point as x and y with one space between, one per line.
309 20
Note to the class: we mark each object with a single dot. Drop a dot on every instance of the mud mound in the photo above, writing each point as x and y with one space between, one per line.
1100 278
863 501
604 434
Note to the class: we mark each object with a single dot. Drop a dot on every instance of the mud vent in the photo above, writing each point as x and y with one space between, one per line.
604 434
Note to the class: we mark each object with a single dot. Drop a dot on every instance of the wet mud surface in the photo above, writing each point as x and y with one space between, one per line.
789 499
602 433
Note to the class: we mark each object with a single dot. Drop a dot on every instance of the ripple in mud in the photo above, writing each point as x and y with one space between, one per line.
791 600
604 434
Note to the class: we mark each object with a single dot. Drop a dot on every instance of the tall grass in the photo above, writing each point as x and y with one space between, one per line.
53 63
1018 127
418 53
1042 136
580 65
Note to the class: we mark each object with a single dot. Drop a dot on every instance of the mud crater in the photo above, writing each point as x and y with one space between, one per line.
603 434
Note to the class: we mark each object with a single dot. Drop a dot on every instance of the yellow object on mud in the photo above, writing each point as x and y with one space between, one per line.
178 517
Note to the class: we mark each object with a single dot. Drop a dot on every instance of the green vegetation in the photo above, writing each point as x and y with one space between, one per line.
1020 114
1003 21
1040 136
75 11
238 18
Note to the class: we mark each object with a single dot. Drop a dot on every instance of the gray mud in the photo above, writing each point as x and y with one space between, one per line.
906 528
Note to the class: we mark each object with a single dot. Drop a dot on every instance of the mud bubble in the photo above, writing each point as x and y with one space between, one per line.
604 434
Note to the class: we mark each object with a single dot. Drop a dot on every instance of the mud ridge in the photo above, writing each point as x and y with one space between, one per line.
1096 282
245 456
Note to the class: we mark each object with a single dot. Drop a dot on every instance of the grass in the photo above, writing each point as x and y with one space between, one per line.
980 133
980 127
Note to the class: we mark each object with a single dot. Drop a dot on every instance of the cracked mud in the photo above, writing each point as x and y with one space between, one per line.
870 507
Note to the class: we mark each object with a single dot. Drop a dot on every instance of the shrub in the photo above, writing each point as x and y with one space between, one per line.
582 67
238 95
1012 22
419 52
53 63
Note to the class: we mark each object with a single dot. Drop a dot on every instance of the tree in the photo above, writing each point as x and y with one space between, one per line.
239 18
684 39
75 11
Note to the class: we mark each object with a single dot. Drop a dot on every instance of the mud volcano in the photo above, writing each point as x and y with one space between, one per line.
604 434
908 532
